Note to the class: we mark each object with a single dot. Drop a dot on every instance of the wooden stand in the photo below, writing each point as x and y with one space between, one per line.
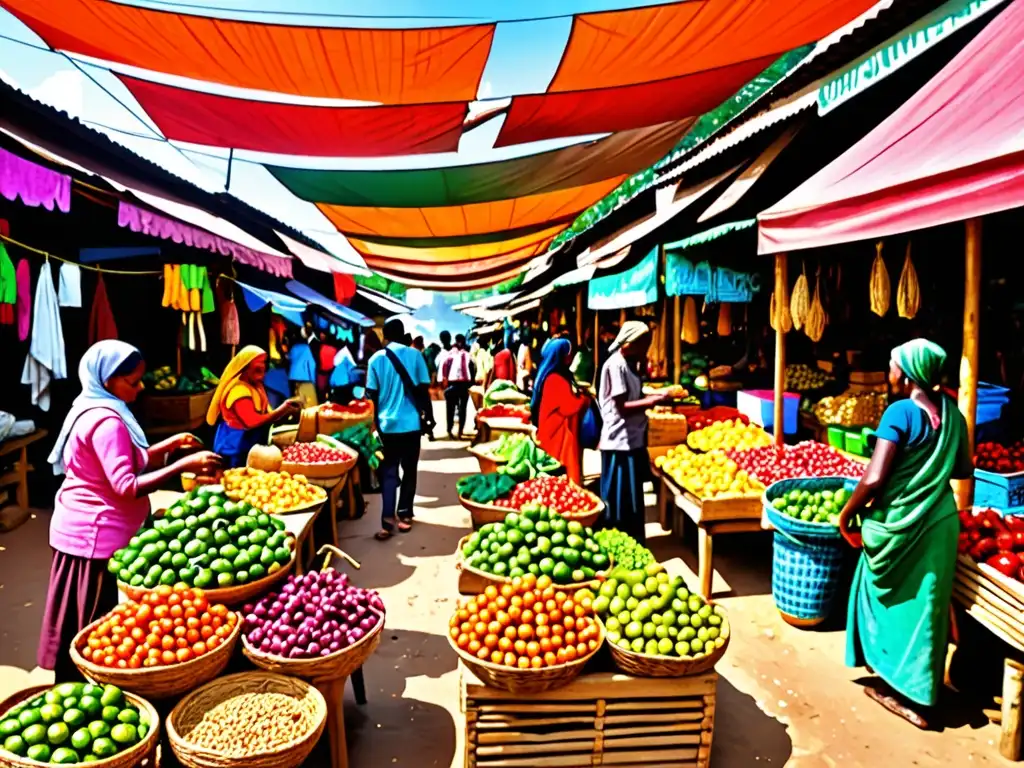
18 476
599 719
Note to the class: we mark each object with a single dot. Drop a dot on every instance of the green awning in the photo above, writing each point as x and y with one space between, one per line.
636 287
710 234
617 155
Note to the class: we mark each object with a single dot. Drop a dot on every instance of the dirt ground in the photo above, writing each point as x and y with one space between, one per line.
784 695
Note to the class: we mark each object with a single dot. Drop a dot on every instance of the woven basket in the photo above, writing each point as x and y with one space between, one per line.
488 463
587 519
157 682
528 681
129 758
229 596
190 710
482 514
642 665
490 578
322 471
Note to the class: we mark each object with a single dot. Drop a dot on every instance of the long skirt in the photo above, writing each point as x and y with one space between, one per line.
81 590
622 488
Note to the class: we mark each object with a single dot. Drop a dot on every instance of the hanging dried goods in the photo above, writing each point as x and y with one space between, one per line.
879 284
908 293
691 326
800 303
816 320
724 319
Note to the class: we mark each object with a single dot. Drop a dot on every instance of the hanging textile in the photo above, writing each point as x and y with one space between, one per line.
69 294
635 287
101 317
344 288
24 307
34 184
46 359
8 288
230 333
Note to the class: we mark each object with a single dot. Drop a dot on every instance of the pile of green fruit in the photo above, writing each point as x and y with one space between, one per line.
648 612
804 378
363 439
536 540
626 551
485 487
206 541
821 506
73 723
524 458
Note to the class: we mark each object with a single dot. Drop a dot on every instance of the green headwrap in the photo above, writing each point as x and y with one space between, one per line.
921 361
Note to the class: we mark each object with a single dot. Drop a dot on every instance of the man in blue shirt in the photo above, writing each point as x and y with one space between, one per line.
396 378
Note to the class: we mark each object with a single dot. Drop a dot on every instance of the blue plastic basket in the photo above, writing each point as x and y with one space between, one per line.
805 577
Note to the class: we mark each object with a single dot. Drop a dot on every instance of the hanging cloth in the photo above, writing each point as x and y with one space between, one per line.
8 288
230 332
24 306
46 359
101 318
70 292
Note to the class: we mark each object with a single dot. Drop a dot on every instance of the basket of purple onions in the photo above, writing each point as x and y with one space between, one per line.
317 627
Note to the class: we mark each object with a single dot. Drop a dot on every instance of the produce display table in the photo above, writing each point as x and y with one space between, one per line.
476 395
491 428
603 718
728 515
18 476
997 603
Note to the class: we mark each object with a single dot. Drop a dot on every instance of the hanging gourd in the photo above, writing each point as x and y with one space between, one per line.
879 284
691 326
816 320
724 319
801 301
908 293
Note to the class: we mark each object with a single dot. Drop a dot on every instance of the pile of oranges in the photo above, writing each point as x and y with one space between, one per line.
527 624
169 625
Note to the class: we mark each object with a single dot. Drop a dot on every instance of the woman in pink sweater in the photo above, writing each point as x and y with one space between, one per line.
110 471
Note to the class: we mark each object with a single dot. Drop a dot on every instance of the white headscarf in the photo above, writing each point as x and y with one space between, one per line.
98 364
631 330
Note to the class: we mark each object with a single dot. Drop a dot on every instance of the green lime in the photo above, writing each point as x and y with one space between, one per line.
15 744
34 734
51 713
282 555
53 696
129 716
39 752
65 755
257 571
225 579
103 747
143 730
110 714
98 728
562 574
204 578
242 576
74 717
124 733
571 557
69 690
30 717
81 739
221 537
9 727
57 733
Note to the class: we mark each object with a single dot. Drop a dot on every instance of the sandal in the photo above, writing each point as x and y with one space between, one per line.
898 709
404 526
383 534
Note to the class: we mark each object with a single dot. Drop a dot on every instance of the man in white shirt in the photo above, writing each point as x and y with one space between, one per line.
456 369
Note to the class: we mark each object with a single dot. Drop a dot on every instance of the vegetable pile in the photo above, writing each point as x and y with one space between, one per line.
708 475
167 626
205 541
820 506
504 391
528 624
538 541
73 723
700 419
558 493
994 540
728 434
272 492
623 549
807 459
502 411
347 410
484 487
362 438
189 383
524 458
319 452
852 410
802 378
647 612
313 615
993 457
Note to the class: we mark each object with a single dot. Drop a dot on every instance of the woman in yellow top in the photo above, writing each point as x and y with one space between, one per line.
240 408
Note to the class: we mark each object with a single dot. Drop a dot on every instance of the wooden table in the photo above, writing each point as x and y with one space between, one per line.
997 603
19 474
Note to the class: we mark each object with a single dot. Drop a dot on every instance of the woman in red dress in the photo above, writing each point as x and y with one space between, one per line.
557 408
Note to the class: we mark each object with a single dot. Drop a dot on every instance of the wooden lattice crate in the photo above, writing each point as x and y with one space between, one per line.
605 718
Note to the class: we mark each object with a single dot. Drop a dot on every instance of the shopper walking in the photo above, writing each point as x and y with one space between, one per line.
899 613
557 408
457 377
397 383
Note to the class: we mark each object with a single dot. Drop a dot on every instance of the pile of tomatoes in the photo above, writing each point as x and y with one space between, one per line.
807 459
528 624
994 457
169 625
559 493
505 411
313 453
352 408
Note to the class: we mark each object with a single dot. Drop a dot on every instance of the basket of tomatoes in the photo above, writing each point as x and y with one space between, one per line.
528 636
572 502
168 642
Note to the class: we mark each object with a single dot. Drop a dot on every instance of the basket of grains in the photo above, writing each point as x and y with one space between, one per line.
256 719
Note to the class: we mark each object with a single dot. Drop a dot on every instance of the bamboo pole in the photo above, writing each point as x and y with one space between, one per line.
579 318
780 348
597 349
968 394
677 341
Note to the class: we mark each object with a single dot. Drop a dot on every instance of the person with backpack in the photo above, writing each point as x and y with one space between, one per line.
397 382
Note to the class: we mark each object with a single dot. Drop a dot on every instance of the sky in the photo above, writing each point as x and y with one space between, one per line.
523 59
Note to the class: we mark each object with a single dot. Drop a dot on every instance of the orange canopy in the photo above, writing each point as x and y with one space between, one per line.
536 242
391 66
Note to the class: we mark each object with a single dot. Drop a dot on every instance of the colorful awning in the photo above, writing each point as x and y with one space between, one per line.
953 151
390 66
635 287
635 67
299 129
574 166
537 243
467 279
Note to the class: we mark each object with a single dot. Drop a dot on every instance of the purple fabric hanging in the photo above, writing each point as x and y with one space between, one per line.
153 224
33 183
24 307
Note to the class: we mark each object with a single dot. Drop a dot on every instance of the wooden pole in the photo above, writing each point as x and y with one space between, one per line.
579 319
677 341
780 347
597 349
1012 726
968 396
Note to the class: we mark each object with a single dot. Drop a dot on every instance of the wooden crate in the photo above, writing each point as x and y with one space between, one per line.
187 411
993 599
604 718
663 431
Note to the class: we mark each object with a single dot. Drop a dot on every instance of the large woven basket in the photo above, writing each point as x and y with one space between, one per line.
230 596
587 519
157 682
189 711
481 514
324 471
129 758
484 578
642 665
487 462
528 681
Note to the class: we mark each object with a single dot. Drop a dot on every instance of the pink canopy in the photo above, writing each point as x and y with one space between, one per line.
953 151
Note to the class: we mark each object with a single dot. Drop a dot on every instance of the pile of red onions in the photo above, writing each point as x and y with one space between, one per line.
313 615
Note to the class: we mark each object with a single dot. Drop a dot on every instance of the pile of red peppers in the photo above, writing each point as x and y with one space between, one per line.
994 540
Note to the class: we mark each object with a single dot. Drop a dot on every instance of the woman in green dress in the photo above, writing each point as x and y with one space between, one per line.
899 612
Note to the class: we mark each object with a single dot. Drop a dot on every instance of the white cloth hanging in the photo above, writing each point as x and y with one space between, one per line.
70 291
46 359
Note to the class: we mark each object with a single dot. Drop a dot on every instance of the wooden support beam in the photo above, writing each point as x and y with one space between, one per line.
677 340
781 269
597 351
968 393
579 318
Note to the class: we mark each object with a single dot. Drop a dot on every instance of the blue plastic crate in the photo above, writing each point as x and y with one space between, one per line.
1000 492
759 406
